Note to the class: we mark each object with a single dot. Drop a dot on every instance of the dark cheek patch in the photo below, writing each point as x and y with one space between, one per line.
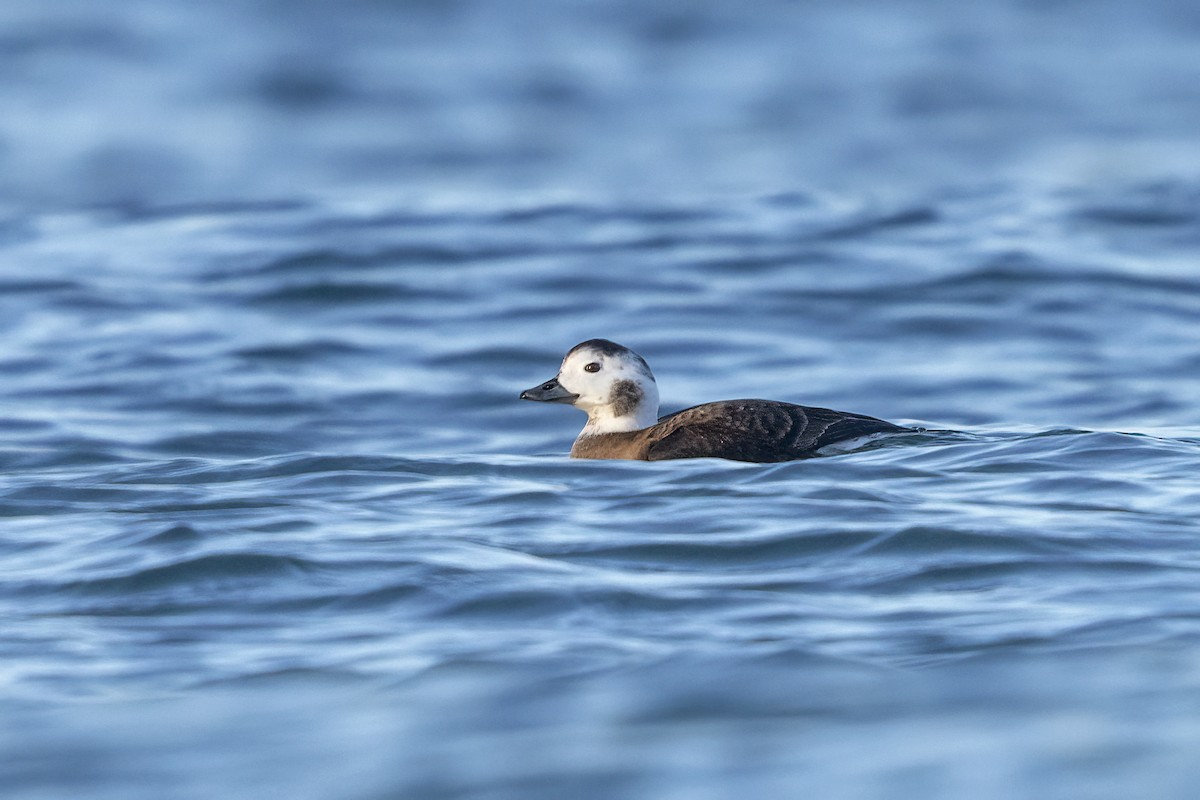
625 397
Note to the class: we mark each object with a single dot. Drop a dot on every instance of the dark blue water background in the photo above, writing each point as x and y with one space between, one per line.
274 523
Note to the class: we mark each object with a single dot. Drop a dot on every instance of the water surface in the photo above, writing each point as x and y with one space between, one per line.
275 523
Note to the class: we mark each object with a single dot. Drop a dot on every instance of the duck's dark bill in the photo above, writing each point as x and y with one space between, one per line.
549 392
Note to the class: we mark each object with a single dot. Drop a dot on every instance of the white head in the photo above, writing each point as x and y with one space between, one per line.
611 383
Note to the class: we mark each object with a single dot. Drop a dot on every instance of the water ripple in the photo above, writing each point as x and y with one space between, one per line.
289 458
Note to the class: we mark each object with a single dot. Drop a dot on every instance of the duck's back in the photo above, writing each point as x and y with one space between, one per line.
755 430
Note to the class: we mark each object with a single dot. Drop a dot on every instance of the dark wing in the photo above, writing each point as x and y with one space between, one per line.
756 430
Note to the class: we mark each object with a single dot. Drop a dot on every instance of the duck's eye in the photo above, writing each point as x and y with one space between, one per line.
592 367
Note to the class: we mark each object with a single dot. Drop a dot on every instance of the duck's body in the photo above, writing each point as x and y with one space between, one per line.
615 387
741 430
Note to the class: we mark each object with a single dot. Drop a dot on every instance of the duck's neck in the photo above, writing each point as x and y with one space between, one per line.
602 420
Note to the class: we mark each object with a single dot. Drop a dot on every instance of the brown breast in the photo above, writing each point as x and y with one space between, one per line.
631 445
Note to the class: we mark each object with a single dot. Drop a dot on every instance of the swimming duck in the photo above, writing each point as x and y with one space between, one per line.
616 388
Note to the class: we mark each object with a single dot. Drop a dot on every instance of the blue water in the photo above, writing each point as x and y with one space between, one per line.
274 523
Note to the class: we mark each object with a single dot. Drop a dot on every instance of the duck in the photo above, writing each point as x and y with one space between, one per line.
617 390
